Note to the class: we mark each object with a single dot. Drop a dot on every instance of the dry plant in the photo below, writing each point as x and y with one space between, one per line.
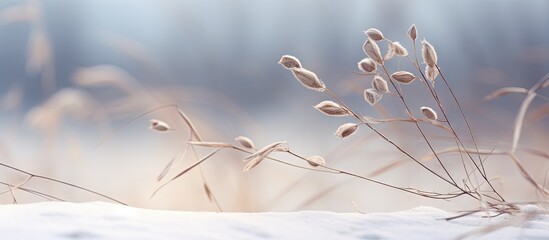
476 183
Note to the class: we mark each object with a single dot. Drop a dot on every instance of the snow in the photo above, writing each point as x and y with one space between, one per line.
97 220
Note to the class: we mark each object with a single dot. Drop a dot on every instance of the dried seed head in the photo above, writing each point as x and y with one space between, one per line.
412 32
400 50
367 65
372 96
374 34
308 79
316 161
289 62
431 73
379 84
428 53
158 125
258 156
346 130
403 77
372 49
332 109
390 51
245 142
429 113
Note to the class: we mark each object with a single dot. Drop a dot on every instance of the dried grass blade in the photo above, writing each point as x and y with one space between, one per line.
504 91
527 176
170 164
185 171
189 123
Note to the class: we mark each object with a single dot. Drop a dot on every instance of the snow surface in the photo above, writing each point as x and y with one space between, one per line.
58 220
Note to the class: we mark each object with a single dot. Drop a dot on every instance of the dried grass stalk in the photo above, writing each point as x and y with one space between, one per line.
379 84
332 109
316 161
367 65
374 34
159 125
308 79
346 130
289 62
403 77
372 96
428 53
429 113
245 142
412 32
372 49
400 50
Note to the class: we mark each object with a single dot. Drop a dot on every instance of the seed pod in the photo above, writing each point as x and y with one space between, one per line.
429 113
431 73
159 125
412 32
308 79
372 96
400 50
316 161
390 51
428 53
346 130
374 34
379 84
372 49
289 62
332 109
245 142
367 65
403 77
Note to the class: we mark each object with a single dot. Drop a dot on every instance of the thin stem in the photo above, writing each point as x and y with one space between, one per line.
418 127
32 175
387 139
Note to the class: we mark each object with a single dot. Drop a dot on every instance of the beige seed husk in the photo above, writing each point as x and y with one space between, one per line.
400 50
412 32
390 51
403 77
372 96
428 53
379 84
308 79
372 49
258 156
374 34
316 161
367 65
431 73
210 144
289 62
158 125
332 109
429 113
245 142
346 130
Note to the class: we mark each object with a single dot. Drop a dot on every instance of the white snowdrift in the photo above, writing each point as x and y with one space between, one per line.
56 220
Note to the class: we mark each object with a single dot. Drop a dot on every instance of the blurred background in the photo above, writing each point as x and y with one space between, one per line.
76 74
